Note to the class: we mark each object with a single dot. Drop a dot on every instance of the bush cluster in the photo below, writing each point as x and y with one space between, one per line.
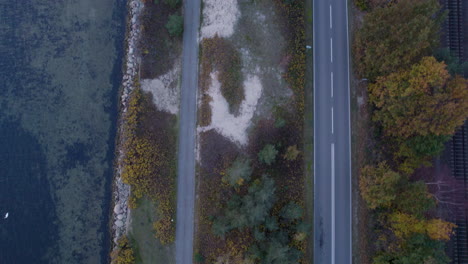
124 253
175 25
148 165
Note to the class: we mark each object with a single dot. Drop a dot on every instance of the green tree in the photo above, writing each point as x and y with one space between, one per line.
454 65
419 248
379 185
418 151
414 199
429 145
199 258
249 210
396 37
275 250
175 25
421 101
291 211
239 172
268 154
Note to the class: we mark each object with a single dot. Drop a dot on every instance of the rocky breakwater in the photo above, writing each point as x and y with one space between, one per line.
121 213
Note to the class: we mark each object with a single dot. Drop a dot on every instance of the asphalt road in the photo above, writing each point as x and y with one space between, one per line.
332 165
187 125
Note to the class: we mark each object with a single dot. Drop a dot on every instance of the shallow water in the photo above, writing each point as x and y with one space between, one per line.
60 64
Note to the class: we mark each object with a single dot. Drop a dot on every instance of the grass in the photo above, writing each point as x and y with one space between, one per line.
309 129
147 246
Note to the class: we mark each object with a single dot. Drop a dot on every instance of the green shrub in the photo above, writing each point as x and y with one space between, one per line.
239 172
199 258
172 3
175 25
291 153
363 5
268 154
291 211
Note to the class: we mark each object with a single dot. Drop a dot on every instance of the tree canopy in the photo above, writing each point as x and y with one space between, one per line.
378 185
268 154
248 210
175 25
396 37
239 172
421 101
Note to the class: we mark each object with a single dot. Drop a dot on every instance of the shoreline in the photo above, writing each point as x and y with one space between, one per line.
121 215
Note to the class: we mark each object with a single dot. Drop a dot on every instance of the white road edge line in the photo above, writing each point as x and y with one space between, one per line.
349 132
333 202
331 24
315 97
332 123
331 81
331 49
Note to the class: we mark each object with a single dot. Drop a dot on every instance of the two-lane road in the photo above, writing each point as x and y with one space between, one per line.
187 123
332 141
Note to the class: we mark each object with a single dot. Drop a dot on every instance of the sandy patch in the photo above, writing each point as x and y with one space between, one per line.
165 90
228 125
219 17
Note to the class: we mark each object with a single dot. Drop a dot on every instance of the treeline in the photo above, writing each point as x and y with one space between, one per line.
417 104
149 162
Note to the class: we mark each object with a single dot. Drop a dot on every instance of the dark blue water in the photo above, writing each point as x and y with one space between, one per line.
60 65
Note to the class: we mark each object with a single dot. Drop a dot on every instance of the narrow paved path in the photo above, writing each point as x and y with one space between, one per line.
332 168
187 123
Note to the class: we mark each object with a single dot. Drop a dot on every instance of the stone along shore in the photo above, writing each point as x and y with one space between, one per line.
121 214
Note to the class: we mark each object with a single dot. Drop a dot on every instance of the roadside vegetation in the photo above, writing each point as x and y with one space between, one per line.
251 198
415 102
220 55
149 164
150 142
161 31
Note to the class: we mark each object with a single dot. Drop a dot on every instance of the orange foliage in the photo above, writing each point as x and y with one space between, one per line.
148 164
420 101
438 229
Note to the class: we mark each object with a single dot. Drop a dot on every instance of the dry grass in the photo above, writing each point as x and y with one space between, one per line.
204 110
218 54
217 153
363 145
158 49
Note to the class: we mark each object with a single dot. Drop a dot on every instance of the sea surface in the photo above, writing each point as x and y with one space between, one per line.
60 69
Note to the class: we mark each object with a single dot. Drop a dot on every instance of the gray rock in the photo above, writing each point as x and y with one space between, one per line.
117 209
119 223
